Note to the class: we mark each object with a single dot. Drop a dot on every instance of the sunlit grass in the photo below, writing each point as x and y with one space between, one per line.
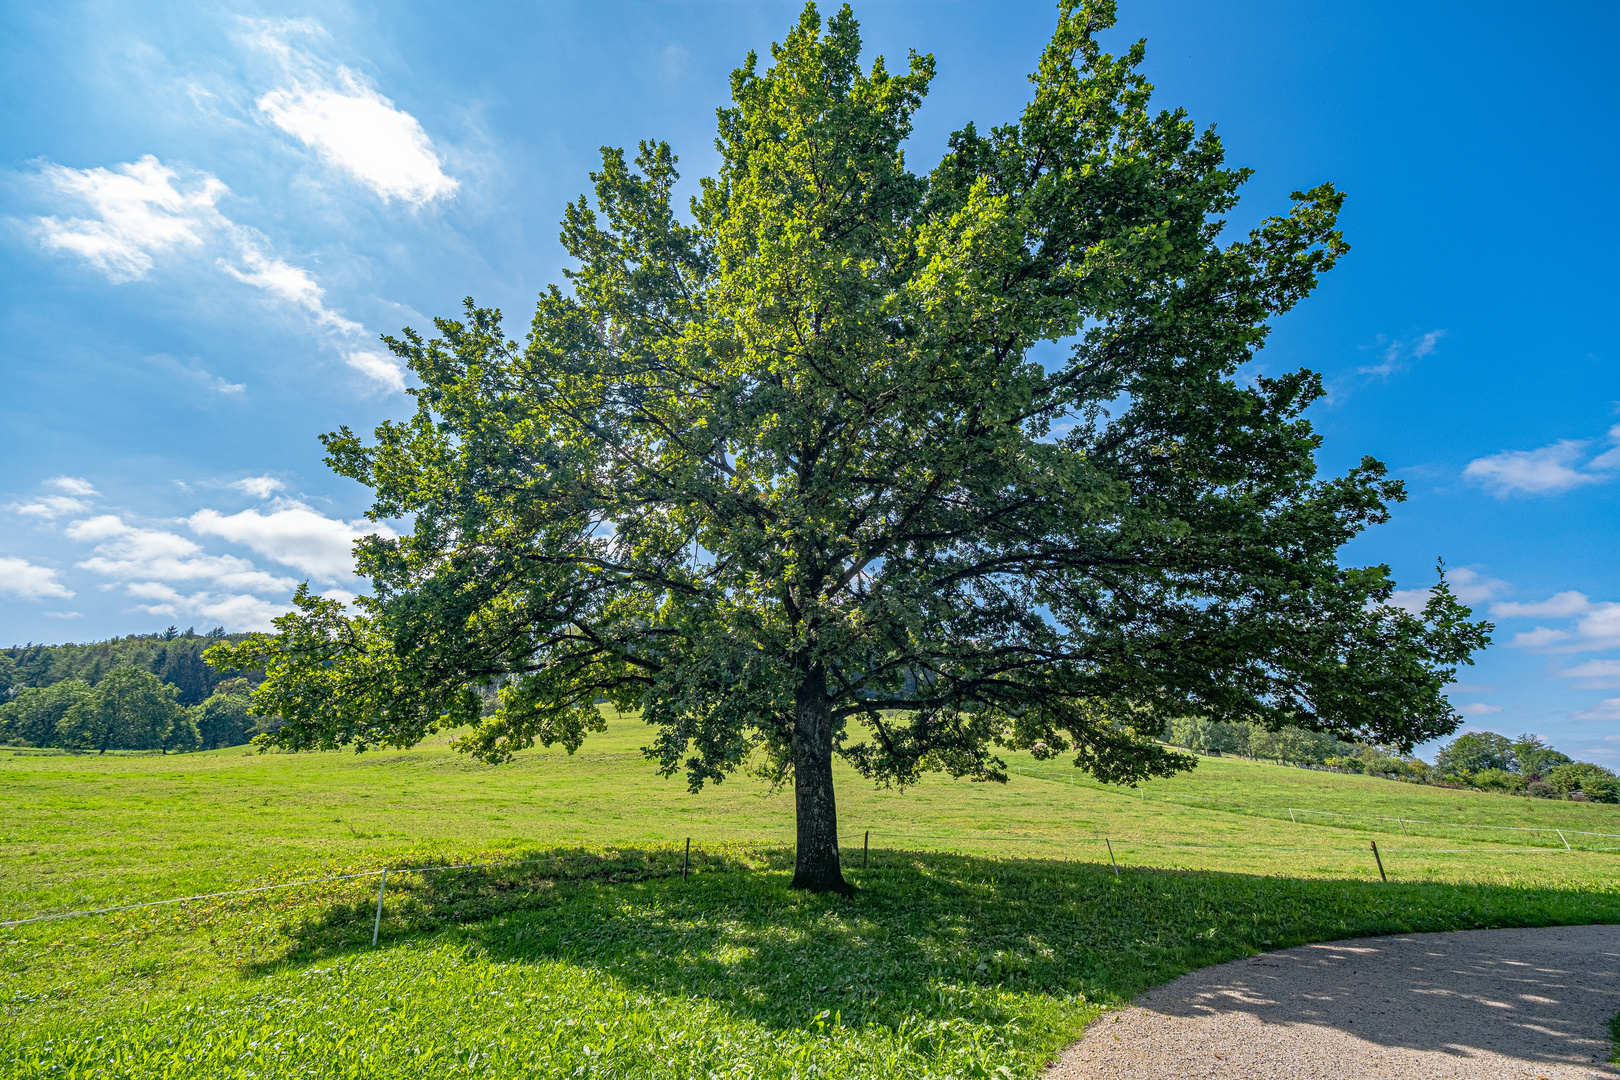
584 952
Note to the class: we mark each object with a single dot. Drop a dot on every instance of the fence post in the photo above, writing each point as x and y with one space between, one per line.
1561 836
1291 816
1110 844
686 863
377 926
1381 876
866 848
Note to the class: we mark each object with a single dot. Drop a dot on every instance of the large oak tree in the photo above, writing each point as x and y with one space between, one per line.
793 477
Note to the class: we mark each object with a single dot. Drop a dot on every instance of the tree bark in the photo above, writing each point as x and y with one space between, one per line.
817 866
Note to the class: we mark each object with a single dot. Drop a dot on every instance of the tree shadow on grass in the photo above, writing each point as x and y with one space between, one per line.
926 935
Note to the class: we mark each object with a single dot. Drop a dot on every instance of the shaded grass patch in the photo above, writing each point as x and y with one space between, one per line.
607 964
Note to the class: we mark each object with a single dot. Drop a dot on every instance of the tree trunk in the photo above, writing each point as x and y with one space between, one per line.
817 865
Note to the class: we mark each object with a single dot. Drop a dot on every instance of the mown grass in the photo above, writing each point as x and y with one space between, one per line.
583 952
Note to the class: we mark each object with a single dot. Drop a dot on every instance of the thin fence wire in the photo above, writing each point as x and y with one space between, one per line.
1210 802
1068 842
293 885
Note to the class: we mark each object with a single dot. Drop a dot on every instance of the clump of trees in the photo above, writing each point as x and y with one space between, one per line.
1478 759
1526 766
1293 745
127 709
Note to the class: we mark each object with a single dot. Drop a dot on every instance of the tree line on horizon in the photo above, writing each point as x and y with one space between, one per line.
173 655
139 692
1475 759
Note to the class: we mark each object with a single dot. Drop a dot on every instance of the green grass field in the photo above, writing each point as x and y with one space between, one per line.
987 930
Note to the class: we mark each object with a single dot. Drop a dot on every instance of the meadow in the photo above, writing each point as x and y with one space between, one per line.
988 928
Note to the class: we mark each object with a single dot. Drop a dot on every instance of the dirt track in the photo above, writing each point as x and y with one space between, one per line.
1481 1004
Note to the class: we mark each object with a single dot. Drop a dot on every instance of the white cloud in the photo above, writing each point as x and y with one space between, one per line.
294 535
175 577
1472 587
238 611
260 487
1468 586
1550 470
364 134
1607 709
1478 708
379 367
139 212
1597 623
1558 606
63 614
23 579
130 554
339 115
1411 600
1398 353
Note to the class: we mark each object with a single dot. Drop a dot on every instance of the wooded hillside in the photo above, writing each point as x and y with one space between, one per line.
175 657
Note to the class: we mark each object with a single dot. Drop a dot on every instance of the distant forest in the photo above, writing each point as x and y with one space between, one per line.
174 657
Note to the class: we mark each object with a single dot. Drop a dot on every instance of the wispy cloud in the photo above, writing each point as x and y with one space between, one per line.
1596 625
1607 709
355 129
379 367
72 485
260 487
1552 469
1594 674
22 579
1478 708
139 211
1398 355
72 497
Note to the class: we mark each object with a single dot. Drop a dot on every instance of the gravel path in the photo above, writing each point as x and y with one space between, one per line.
1478 1004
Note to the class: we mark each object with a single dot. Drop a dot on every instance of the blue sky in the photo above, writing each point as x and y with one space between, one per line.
210 213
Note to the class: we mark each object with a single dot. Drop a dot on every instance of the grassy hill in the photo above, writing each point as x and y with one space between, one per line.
989 926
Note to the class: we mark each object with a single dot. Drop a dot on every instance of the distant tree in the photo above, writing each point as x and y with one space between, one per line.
129 709
1473 751
34 715
1497 780
1596 782
183 735
1293 744
1535 757
223 719
794 479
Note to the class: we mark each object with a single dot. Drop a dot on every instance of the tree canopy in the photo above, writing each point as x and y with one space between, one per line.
862 462
128 709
